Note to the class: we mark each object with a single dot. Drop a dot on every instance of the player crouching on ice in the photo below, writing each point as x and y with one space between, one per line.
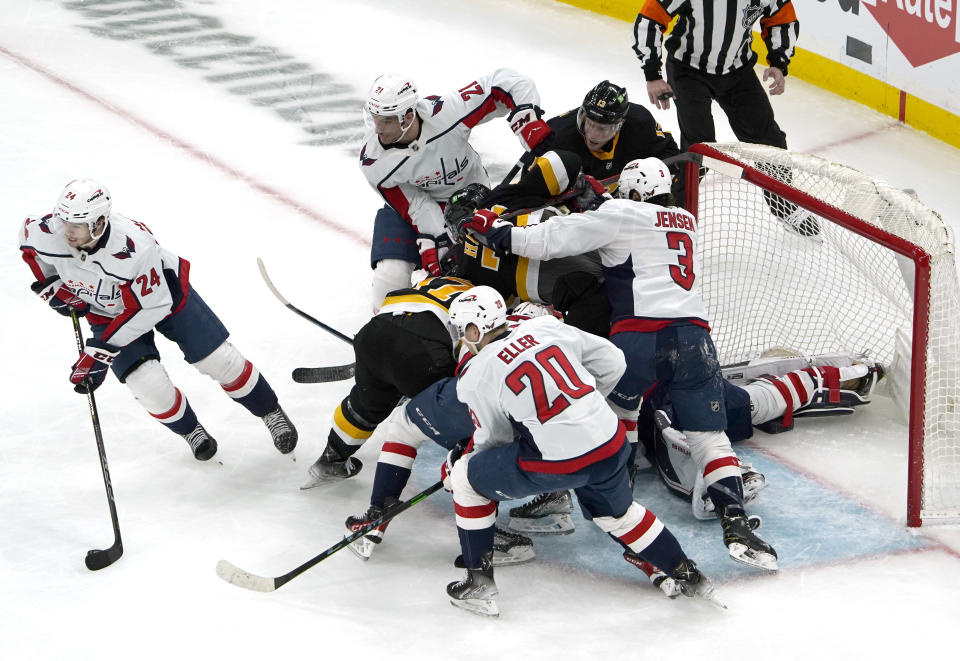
90 262
537 398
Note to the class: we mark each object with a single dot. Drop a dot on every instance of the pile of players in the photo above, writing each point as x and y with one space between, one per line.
606 316
547 406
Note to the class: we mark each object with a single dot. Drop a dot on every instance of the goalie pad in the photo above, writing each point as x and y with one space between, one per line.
812 391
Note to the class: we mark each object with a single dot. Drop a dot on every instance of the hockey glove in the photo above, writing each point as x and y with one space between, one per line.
526 124
55 293
91 368
446 469
489 230
429 259
592 196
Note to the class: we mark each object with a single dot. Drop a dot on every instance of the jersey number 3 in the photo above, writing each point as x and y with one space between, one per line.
683 274
557 366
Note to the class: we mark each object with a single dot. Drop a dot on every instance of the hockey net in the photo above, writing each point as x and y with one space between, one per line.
802 254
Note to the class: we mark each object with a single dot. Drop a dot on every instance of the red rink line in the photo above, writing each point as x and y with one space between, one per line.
815 151
859 500
190 149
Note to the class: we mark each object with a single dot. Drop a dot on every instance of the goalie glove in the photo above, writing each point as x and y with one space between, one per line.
55 293
429 257
91 368
532 131
487 227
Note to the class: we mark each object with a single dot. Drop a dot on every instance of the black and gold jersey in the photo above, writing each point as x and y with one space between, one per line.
640 136
431 295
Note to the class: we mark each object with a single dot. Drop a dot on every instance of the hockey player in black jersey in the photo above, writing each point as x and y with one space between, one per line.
607 131
399 352
571 285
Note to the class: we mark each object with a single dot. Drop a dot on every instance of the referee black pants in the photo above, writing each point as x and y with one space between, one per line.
741 97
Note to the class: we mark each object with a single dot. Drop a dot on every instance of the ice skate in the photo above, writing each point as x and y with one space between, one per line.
753 482
746 547
364 546
331 468
547 514
693 583
202 444
476 592
659 579
509 548
282 431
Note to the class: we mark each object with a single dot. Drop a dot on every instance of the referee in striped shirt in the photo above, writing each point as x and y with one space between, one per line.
710 56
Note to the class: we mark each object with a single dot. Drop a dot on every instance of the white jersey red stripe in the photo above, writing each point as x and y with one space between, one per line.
647 253
546 383
130 282
417 178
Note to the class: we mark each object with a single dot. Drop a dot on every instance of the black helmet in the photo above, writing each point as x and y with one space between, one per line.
461 204
606 104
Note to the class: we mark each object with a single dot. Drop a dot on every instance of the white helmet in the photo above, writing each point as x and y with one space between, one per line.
84 201
481 306
392 95
530 310
649 177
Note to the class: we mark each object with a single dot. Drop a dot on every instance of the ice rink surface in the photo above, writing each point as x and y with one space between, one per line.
223 171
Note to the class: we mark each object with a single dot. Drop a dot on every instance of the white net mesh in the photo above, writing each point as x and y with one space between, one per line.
774 275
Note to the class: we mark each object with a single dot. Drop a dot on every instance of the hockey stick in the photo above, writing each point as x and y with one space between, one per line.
100 558
324 374
244 579
294 308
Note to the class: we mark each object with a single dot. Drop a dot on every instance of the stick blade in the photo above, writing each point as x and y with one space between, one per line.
324 374
244 579
98 559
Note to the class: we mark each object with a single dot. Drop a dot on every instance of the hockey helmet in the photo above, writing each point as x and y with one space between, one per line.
649 177
392 95
463 203
481 306
84 201
605 104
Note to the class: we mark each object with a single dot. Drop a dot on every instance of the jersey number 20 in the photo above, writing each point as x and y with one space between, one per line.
552 361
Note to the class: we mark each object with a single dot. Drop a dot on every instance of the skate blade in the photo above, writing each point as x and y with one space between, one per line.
757 559
711 596
516 556
486 607
551 524
362 548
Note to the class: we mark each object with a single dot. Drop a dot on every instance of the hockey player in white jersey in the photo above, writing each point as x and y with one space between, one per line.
537 398
416 154
91 261
647 248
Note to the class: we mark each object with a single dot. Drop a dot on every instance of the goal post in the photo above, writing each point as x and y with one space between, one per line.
803 254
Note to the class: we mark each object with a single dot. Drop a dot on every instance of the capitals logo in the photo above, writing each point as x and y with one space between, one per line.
363 157
127 251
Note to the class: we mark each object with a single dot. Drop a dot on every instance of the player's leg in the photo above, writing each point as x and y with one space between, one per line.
203 339
642 374
697 394
693 102
606 497
393 254
434 414
138 367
